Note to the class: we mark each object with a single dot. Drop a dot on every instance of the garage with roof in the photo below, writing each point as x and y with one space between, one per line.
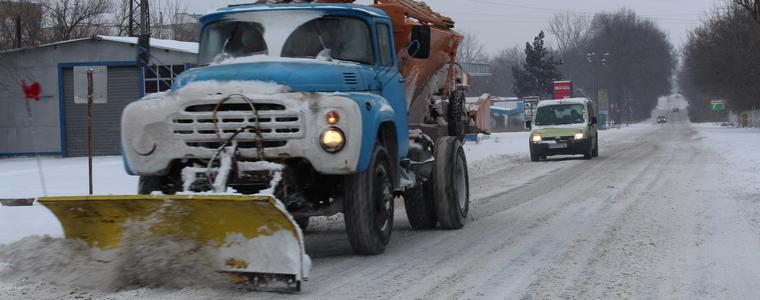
38 112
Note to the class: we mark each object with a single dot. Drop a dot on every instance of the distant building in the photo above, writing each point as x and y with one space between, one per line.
57 125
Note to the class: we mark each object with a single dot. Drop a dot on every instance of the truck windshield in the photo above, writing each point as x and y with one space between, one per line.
560 114
299 34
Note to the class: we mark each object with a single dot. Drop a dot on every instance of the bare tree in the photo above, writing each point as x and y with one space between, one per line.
71 19
569 29
500 82
165 15
20 24
753 6
721 61
169 20
471 50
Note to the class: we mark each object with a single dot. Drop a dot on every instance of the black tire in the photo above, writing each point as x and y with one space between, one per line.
451 188
420 209
595 153
588 153
149 184
368 205
303 222
456 116
534 155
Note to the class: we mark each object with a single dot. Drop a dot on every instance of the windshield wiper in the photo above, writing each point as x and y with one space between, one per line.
229 38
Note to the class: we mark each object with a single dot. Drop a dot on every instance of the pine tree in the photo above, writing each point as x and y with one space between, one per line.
539 71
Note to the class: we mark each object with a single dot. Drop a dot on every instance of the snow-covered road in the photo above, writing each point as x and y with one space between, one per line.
666 211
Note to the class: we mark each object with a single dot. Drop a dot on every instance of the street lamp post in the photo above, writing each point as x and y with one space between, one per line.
595 61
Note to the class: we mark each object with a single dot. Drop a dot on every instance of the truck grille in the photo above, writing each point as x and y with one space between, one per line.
195 125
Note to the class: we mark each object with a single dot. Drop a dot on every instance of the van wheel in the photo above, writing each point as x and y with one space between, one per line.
588 153
451 187
534 155
368 205
595 153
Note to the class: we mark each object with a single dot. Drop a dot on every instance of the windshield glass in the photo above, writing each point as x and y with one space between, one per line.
560 114
306 34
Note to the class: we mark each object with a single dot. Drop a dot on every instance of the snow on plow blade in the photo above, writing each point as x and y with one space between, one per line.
250 237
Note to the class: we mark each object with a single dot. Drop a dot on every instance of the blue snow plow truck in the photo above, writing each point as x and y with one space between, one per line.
325 108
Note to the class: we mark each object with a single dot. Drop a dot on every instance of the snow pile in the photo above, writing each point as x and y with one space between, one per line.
323 58
142 260
199 89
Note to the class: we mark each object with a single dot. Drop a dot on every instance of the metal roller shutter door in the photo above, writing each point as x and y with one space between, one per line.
123 87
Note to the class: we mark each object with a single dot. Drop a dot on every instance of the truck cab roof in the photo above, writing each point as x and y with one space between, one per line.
343 8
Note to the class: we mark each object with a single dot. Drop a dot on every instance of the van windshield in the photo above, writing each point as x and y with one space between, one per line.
560 114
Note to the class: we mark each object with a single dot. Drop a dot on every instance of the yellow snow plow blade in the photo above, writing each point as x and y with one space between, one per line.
250 236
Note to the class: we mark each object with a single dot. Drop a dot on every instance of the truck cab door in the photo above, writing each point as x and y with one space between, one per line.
392 83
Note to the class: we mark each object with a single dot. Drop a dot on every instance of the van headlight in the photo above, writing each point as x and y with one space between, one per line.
579 136
536 137
332 139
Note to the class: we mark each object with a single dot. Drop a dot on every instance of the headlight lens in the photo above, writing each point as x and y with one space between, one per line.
332 139
579 136
536 137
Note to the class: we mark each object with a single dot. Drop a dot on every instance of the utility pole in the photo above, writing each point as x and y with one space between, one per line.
18 31
143 40
595 62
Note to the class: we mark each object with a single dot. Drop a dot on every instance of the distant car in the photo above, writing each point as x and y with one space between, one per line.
676 109
662 119
562 127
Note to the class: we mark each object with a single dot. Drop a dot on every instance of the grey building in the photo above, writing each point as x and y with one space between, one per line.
54 124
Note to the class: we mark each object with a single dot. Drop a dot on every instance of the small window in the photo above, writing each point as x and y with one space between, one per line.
159 78
384 42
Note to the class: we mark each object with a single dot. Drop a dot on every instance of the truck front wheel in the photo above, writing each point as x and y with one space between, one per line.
368 205
451 183
164 184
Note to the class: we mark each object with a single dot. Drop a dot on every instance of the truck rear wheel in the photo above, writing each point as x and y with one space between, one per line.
451 188
420 209
368 205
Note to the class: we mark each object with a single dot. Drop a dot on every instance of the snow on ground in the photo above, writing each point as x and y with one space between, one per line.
666 211
68 176
63 177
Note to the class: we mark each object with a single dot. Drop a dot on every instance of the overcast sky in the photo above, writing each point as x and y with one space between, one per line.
502 24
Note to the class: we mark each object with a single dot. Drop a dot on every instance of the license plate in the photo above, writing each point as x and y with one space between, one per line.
558 146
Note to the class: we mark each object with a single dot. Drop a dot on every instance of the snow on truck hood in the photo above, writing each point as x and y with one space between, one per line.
301 75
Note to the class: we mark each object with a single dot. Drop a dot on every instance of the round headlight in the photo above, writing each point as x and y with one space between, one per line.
332 118
332 139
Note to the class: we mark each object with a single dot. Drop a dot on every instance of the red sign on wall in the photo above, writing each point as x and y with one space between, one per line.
563 89
31 91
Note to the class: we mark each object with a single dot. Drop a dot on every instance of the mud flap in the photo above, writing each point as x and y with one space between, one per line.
251 237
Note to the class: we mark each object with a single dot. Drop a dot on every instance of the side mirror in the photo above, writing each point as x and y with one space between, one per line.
419 47
592 121
528 125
